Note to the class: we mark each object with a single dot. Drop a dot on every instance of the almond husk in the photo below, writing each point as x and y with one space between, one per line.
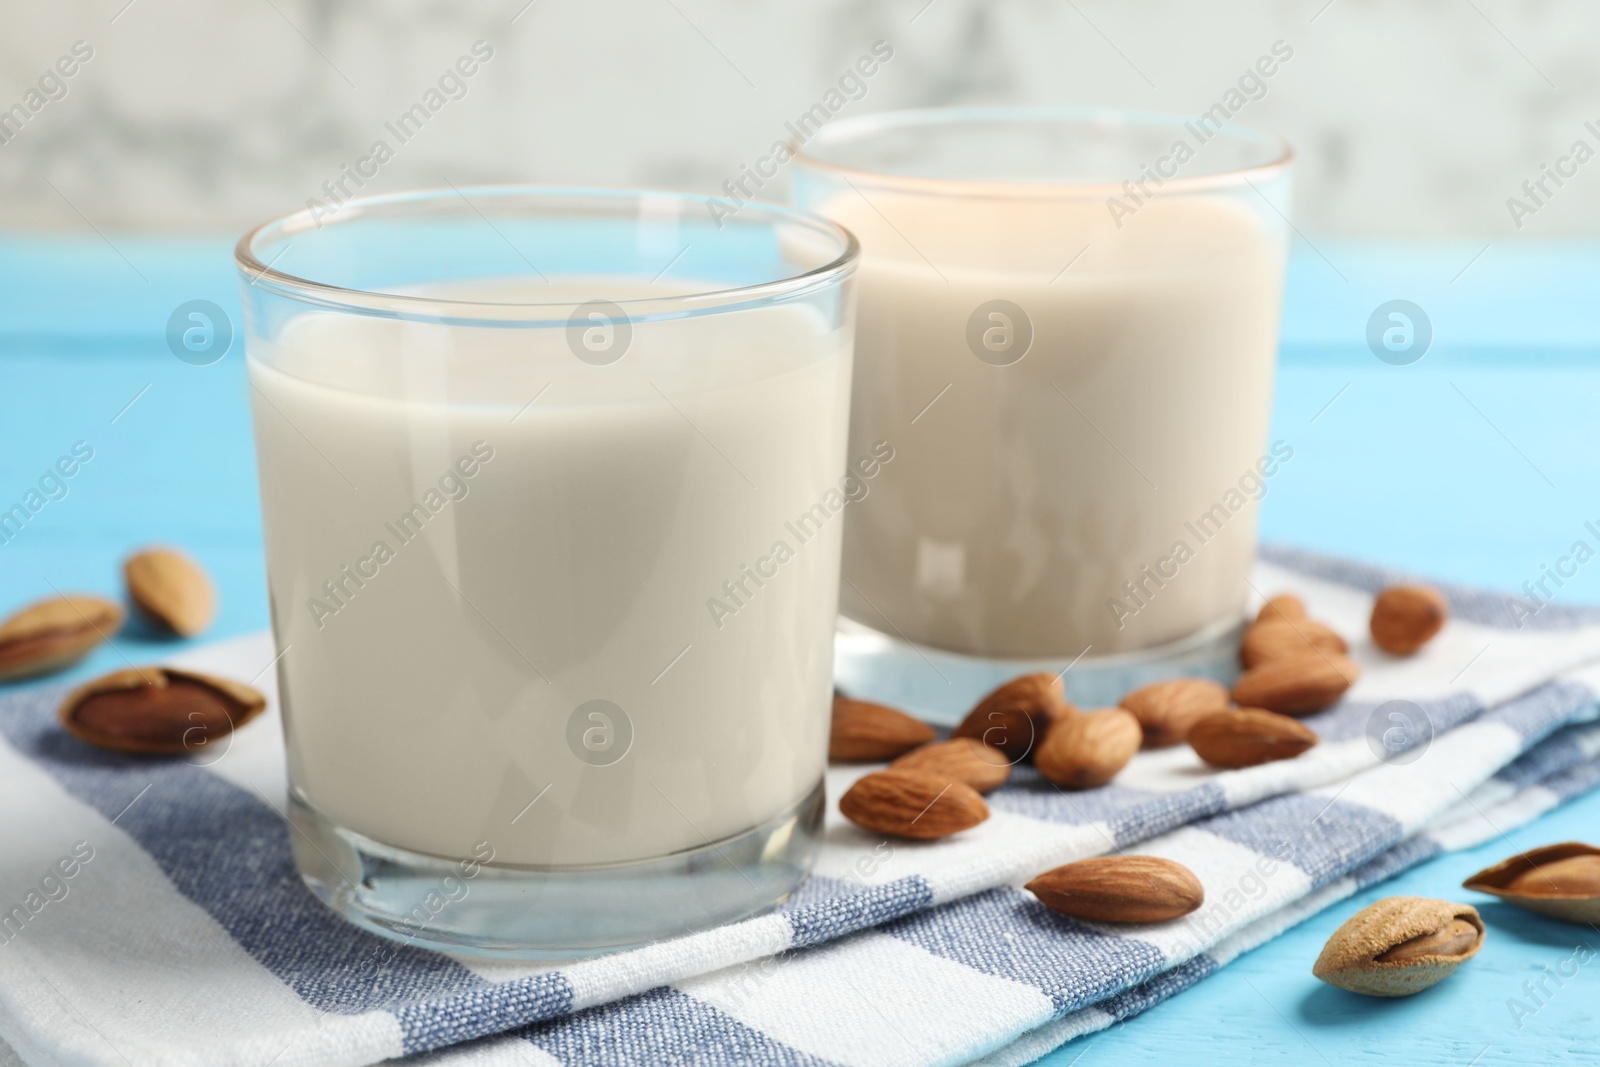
158 710
1296 685
170 591
1561 881
1120 889
1406 617
1281 639
1085 751
1168 710
1400 946
1017 715
1245 737
863 732
961 759
921 807
50 635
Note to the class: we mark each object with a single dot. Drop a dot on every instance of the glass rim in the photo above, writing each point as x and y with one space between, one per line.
284 227
853 129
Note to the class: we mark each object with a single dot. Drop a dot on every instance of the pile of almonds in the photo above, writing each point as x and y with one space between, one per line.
1293 665
153 710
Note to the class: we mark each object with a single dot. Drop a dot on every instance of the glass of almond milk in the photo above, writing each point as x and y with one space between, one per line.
552 486
1067 332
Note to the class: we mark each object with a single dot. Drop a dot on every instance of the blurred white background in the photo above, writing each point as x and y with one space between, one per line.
1411 117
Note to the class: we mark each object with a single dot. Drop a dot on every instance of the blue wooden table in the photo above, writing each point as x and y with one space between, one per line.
1478 463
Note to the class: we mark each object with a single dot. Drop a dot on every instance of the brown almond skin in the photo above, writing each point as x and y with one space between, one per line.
51 635
1017 715
158 710
920 807
1265 641
1168 710
1561 881
1120 889
170 591
1085 751
1297 685
1245 737
1400 946
1406 617
961 759
1284 606
863 732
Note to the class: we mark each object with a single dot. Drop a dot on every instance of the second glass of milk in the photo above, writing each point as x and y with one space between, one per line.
552 487
1067 332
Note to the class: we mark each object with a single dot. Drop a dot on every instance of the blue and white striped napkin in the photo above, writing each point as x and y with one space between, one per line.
149 911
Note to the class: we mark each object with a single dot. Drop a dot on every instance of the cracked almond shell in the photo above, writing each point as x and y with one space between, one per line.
1400 946
1561 881
158 710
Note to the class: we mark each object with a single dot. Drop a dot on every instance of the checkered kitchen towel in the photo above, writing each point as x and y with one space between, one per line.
182 935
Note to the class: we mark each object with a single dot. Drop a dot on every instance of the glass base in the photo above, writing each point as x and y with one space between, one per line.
552 913
943 686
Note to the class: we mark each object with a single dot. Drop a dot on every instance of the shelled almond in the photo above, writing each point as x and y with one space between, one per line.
1246 737
1120 889
1296 685
1406 617
1167 710
864 732
1087 750
1016 716
962 759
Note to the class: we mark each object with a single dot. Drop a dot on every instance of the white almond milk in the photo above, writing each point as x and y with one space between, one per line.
1025 497
432 685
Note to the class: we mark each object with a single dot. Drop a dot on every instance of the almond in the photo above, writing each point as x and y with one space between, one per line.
170 591
1400 946
1017 715
1281 639
1084 751
1245 737
863 732
1561 881
960 759
50 635
158 710
1405 617
1120 889
1281 608
914 805
1167 710
1297 685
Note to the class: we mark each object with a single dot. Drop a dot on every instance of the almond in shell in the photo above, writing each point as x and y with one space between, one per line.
158 710
1561 881
1400 946
170 591
53 634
